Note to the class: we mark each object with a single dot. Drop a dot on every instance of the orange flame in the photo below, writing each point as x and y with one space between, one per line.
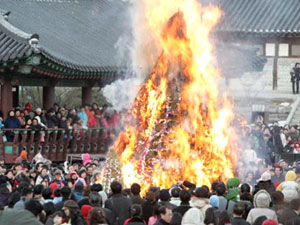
181 129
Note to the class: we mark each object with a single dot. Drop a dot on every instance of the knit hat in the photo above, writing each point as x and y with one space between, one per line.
85 209
233 182
269 222
214 201
164 195
70 204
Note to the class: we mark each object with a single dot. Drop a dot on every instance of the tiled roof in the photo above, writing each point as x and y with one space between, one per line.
80 35
269 17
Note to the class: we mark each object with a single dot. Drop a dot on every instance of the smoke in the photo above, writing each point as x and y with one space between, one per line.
138 50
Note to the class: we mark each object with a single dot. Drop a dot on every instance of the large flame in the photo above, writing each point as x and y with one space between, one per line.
181 128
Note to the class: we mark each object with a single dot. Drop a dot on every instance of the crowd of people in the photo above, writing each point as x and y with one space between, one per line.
60 117
55 194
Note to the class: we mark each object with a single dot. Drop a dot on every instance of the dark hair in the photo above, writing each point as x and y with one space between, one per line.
47 193
176 219
245 188
116 187
201 192
135 189
38 189
214 185
65 192
163 209
96 187
259 220
25 191
13 199
95 199
175 192
239 209
57 192
224 217
295 204
34 206
136 210
185 195
279 168
277 197
221 189
96 216
49 208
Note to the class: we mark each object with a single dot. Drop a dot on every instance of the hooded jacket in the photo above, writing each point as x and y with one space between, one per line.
289 187
261 201
78 189
86 158
196 214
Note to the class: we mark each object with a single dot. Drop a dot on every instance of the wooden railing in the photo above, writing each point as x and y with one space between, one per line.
54 144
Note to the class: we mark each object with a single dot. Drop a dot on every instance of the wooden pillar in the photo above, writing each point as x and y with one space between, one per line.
275 66
87 96
48 97
6 97
15 94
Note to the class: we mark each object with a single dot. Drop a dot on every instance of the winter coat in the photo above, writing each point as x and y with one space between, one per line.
86 158
289 188
148 210
261 201
18 217
223 202
265 185
120 207
136 199
134 221
175 201
182 209
239 221
196 215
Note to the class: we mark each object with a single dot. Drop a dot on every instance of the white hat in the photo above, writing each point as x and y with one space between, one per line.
265 176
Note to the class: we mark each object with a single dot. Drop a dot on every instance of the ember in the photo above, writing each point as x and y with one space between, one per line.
181 127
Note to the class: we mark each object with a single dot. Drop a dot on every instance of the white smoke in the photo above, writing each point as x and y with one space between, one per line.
138 51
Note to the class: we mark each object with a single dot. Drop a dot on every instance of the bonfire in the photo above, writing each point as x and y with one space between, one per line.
181 125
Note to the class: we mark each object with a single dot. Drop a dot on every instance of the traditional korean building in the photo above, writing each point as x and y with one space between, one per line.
58 43
272 27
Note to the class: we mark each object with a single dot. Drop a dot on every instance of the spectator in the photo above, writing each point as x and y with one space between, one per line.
185 198
72 212
96 216
165 215
238 212
262 200
149 206
278 177
136 198
11 122
118 204
136 216
175 200
26 194
290 188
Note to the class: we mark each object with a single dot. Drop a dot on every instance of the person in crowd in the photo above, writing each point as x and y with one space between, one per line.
11 122
294 81
278 177
277 202
289 188
43 176
265 183
224 204
26 194
118 204
238 212
175 192
164 198
96 216
73 215
136 216
136 198
83 116
166 214
185 197
261 201
148 207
